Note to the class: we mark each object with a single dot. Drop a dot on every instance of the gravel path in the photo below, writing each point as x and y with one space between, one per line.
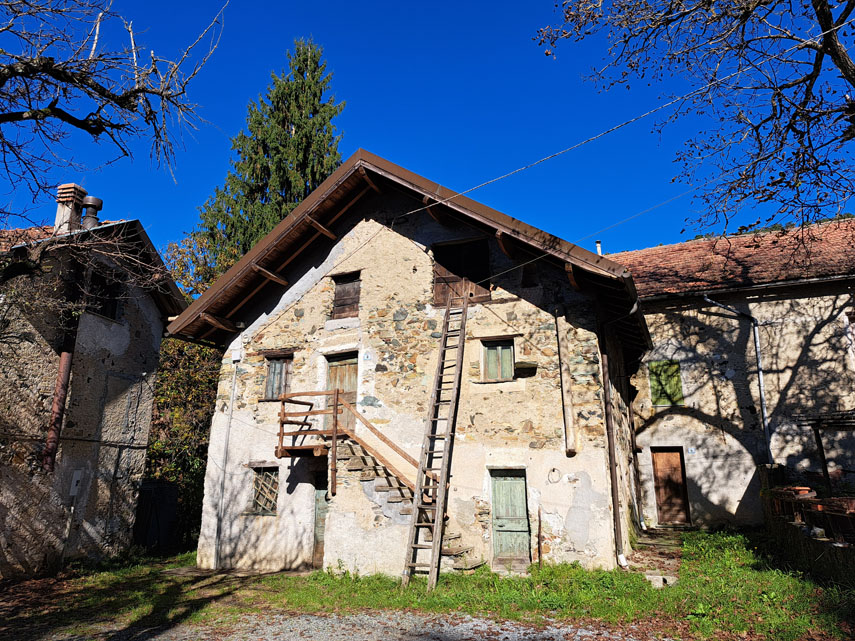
383 626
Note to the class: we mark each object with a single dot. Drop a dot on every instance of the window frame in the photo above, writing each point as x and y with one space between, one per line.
447 283
259 474
499 345
103 295
663 393
350 307
287 362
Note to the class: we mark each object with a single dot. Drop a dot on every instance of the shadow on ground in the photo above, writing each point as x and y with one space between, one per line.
152 600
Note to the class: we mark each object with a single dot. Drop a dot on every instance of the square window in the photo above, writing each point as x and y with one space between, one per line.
346 298
498 360
265 490
666 387
461 269
278 377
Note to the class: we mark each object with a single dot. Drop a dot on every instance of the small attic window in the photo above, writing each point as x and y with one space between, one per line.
103 292
346 298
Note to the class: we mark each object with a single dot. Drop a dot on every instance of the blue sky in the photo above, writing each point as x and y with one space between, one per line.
458 92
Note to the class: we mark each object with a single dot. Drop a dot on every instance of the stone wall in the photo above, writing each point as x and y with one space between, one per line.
103 440
808 366
516 424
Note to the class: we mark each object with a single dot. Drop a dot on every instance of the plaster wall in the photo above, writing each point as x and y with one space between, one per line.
514 424
103 439
808 367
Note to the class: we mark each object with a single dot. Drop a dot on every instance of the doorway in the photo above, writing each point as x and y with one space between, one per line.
342 373
669 480
511 531
321 509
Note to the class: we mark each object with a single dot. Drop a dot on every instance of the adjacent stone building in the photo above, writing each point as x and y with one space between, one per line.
83 305
699 418
350 292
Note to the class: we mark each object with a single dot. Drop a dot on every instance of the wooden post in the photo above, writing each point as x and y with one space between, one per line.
333 451
822 458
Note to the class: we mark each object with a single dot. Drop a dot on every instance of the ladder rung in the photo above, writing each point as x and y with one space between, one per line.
435 452
421 546
425 506
418 565
424 524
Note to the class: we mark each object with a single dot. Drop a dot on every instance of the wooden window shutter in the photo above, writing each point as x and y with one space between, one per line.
666 387
278 377
346 297
499 360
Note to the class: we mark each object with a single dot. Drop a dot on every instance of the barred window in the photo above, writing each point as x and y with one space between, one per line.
265 490
666 387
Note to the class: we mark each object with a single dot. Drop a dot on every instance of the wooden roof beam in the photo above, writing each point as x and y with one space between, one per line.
568 268
276 278
221 323
370 182
506 244
326 232
433 212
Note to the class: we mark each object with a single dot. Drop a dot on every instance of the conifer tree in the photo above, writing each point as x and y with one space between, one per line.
289 147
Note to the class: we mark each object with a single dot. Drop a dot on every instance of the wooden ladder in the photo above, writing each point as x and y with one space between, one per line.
435 461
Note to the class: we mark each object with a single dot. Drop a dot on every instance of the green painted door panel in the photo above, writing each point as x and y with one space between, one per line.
511 535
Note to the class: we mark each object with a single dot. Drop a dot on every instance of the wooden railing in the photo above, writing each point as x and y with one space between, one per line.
336 407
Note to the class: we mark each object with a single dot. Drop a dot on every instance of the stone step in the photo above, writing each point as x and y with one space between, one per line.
468 564
456 550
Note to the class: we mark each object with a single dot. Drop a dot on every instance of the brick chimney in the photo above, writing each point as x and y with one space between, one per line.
69 204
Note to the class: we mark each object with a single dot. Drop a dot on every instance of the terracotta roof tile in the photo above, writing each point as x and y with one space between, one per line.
747 260
11 237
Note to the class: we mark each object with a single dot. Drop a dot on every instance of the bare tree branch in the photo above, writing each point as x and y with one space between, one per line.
58 75
773 77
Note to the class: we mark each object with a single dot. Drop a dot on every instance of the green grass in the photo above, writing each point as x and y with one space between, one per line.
727 589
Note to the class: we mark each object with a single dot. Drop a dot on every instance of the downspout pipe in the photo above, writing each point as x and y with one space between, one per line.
225 460
610 437
70 322
755 327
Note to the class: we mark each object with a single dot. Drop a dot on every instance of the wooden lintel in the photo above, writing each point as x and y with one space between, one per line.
568 267
433 212
218 322
506 244
276 278
370 182
326 232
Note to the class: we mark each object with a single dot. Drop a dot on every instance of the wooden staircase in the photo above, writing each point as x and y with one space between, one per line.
425 544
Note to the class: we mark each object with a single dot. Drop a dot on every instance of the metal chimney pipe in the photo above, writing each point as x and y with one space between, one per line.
93 206
599 247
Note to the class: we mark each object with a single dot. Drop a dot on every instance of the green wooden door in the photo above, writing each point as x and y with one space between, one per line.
511 535
321 509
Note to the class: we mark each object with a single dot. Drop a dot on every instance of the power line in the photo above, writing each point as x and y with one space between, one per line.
628 122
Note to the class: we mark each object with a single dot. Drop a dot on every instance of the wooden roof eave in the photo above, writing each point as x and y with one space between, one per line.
361 163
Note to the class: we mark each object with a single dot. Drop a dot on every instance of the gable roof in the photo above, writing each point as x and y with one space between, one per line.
822 251
13 237
166 295
211 317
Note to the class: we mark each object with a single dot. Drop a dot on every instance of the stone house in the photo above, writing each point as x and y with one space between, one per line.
351 292
83 305
699 417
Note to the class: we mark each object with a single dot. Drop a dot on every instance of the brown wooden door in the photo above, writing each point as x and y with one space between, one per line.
669 479
342 374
